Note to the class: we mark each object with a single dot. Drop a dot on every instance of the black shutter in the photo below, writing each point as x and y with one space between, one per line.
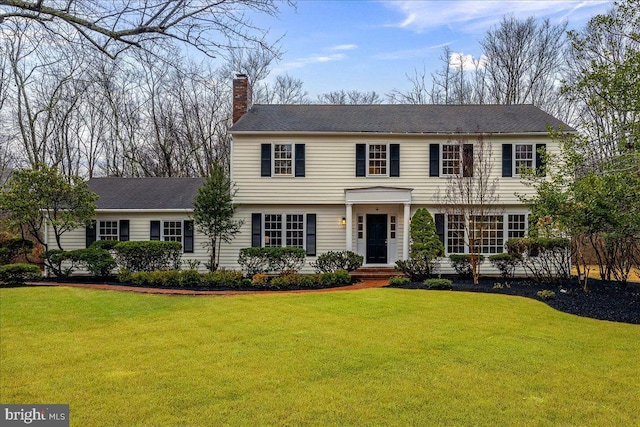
311 234
507 160
90 233
154 233
188 237
256 230
124 230
361 159
541 167
265 160
434 159
439 220
394 157
467 160
300 160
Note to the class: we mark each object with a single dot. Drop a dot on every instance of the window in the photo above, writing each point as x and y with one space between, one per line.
272 230
455 234
523 157
360 226
489 233
378 159
108 230
392 227
172 231
517 225
451 159
295 231
283 159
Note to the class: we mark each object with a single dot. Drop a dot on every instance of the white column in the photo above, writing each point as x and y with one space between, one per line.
349 226
405 231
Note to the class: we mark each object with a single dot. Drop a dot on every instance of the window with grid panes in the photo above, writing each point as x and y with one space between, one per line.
455 234
517 226
295 231
283 159
523 157
108 230
273 230
489 233
450 159
378 159
172 231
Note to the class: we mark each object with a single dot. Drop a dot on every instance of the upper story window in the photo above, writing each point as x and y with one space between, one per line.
451 159
523 157
377 160
283 159
108 230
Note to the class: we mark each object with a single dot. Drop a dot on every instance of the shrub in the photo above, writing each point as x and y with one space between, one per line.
424 239
60 263
189 279
506 263
418 268
263 260
546 260
399 281
342 277
17 274
308 281
157 279
222 279
107 245
148 255
11 249
461 263
253 261
330 262
546 294
277 283
443 284
98 262
327 279
124 276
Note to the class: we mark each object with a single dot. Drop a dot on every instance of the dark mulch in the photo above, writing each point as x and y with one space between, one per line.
605 300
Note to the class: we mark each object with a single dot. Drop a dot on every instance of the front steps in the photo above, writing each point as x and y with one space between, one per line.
374 273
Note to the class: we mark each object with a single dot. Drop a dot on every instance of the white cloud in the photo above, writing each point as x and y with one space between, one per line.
473 15
309 60
468 62
345 47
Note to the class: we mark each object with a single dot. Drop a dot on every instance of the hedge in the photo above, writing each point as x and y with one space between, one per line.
148 255
17 274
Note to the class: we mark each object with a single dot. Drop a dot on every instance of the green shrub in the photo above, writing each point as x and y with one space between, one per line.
506 263
107 245
461 263
61 263
157 279
418 268
148 255
11 249
330 262
546 260
342 277
424 239
260 280
399 281
308 281
189 279
17 274
327 279
253 261
98 262
277 283
124 276
264 260
443 284
546 294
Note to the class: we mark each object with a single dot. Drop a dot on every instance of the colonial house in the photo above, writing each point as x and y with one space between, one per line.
342 177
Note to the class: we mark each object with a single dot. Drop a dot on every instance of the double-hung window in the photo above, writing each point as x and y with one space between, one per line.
289 226
108 230
488 233
283 159
451 159
295 230
172 231
523 157
272 230
455 234
377 160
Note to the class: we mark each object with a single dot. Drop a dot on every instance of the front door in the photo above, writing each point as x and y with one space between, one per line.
376 239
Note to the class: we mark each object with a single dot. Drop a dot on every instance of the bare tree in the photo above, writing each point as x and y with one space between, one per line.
470 196
352 97
419 92
114 26
284 90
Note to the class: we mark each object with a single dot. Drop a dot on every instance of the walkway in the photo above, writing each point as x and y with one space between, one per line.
365 284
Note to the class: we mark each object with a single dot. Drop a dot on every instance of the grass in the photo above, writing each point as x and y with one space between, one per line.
594 273
372 357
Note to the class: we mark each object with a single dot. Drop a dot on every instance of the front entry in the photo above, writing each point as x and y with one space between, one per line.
376 239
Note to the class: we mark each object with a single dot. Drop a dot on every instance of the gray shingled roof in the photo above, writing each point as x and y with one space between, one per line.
145 193
415 119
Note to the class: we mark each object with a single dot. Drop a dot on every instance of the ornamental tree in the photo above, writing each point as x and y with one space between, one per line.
213 210
32 198
424 240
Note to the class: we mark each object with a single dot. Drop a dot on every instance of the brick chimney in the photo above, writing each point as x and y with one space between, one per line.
241 96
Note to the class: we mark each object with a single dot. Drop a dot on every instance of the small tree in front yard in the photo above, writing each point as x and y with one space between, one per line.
425 247
213 213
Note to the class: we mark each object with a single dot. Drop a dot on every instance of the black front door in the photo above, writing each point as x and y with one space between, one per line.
376 239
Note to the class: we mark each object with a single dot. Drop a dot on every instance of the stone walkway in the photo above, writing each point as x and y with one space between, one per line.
365 284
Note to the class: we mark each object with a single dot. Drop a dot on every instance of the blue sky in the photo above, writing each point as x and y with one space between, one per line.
373 45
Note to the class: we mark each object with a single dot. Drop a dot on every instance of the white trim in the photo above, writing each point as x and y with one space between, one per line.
387 160
98 221
378 195
515 173
292 160
441 159
283 229
388 134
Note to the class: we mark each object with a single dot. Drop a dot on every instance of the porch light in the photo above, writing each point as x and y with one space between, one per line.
344 221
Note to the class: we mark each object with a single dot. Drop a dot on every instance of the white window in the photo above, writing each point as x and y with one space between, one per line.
172 231
451 159
108 230
488 233
392 227
283 159
523 157
272 230
517 226
295 231
455 234
378 160
360 226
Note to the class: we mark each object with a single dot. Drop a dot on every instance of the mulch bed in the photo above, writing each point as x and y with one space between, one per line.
604 301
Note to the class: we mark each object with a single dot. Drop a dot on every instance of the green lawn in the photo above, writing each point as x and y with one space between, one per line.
370 357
